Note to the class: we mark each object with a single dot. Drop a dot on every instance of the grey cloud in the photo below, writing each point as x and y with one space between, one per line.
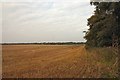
45 21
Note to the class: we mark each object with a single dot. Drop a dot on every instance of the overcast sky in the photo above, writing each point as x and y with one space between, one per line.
46 20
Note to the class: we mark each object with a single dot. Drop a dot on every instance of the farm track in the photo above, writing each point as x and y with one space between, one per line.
49 61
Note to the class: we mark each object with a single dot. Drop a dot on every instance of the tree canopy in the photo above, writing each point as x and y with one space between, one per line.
103 24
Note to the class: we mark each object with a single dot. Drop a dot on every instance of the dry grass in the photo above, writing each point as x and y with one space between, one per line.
59 61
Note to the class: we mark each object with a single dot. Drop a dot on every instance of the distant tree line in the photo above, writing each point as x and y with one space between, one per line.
45 43
104 24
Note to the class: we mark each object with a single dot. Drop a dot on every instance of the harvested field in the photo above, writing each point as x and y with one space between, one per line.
56 61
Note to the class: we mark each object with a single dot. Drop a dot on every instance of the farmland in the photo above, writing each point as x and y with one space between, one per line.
57 61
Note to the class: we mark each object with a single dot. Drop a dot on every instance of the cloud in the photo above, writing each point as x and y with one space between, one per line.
0 23
30 21
45 1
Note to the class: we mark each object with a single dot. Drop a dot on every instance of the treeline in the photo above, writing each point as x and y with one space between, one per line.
46 43
104 25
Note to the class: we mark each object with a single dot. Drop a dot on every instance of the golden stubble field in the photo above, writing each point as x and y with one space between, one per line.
54 61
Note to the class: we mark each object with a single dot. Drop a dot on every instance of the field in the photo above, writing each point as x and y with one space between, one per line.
57 61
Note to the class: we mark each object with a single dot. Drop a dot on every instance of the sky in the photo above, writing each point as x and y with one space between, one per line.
45 20
0 23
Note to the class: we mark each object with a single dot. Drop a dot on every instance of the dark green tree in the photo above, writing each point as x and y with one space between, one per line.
103 24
